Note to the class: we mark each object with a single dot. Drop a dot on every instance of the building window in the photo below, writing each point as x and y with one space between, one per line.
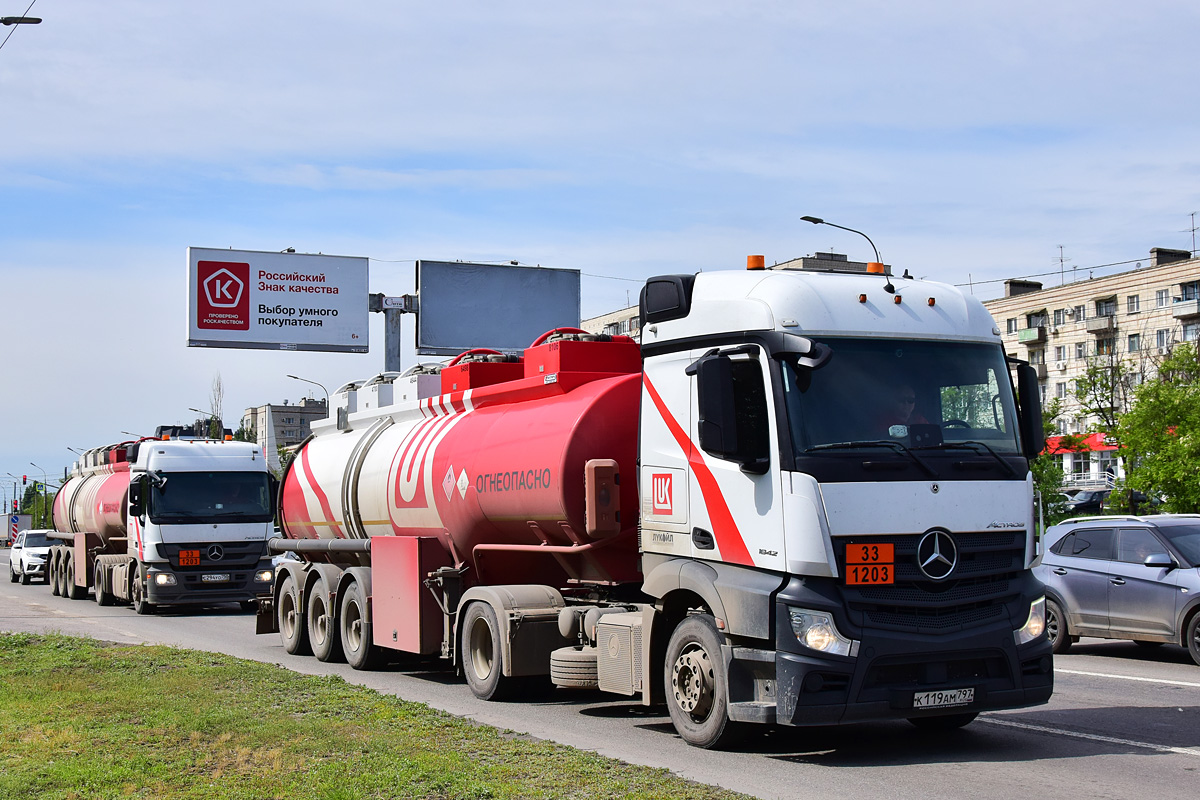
1012 325
1035 320
1080 351
1081 465
1189 290
1133 304
1061 427
1060 316
1161 338
1135 342
1080 313
1106 307
1037 356
1060 352
1191 331
1162 298
1104 347
1106 462
1136 378
1060 390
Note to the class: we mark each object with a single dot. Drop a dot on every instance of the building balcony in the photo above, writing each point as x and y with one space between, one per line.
1032 336
1182 309
1042 371
1101 324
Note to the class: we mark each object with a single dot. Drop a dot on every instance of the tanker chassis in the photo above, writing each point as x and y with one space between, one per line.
804 499
165 521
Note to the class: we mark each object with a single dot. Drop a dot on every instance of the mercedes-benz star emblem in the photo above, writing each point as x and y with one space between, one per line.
937 554
216 552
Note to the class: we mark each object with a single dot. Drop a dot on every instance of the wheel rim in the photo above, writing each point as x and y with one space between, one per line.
320 620
692 682
1196 638
1051 624
482 655
353 632
287 614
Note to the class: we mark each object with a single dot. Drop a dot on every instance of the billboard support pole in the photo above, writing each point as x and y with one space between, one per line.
392 309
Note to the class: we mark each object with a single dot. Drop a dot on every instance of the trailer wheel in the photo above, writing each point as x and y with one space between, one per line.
697 687
137 591
482 653
356 632
103 597
292 629
52 573
323 626
73 591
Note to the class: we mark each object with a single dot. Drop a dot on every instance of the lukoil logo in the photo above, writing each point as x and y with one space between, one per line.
660 494
223 295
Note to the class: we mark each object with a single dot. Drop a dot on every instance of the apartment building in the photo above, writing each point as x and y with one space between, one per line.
1135 316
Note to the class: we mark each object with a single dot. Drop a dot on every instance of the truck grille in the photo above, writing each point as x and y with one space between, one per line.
234 555
983 581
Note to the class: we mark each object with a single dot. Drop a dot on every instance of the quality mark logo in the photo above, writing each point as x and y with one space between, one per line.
223 299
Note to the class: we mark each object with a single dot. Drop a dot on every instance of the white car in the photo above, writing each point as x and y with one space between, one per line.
27 559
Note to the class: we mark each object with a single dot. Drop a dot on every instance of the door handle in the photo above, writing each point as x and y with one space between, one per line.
1118 581
1060 571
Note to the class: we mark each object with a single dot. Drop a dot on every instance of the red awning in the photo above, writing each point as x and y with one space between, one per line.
1093 442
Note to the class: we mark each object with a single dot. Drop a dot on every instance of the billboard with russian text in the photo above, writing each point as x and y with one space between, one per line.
276 301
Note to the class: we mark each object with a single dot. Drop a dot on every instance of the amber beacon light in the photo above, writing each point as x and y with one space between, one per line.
756 262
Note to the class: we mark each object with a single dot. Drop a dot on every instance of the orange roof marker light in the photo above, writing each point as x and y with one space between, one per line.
896 299
756 262
932 302
876 268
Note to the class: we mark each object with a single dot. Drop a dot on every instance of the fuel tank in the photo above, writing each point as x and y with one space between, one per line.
496 472
95 499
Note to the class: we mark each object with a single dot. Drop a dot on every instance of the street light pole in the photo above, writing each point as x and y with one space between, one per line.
314 383
211 417
818 221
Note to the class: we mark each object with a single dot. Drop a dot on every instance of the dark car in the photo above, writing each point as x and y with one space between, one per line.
1123 577
1088 501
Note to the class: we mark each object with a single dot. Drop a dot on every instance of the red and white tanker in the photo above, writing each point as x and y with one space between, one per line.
168 520
729 517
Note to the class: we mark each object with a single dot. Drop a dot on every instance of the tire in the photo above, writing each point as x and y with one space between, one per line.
25 579
355 631
52 575
323 633
137 591
12 575
74 591
946 722
1056 628
697 688
1193 637
290 616
483 654
103 597
574 668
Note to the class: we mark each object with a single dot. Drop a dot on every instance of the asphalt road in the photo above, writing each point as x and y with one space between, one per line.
1124 721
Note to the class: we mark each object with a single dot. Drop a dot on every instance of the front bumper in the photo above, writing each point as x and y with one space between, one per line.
191 587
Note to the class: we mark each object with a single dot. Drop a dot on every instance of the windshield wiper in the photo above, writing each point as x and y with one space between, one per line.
967 445
888 443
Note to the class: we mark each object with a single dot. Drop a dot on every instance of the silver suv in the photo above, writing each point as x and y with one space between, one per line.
1123 577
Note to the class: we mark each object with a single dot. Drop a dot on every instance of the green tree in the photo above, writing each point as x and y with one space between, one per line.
1160 434
1048 476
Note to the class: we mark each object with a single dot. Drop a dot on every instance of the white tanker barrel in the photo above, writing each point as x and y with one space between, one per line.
95 499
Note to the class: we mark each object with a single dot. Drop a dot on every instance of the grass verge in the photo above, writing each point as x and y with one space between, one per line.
81 719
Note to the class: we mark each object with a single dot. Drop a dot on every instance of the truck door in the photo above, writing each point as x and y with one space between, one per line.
664 449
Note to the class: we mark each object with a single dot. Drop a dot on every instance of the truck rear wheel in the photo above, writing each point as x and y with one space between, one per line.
103 597
323 626
483 654
697 687
356 632
292 628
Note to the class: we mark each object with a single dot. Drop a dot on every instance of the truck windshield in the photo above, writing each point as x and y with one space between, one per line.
187 497
918 394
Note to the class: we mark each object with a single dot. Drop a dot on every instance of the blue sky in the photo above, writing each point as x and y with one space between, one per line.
623 139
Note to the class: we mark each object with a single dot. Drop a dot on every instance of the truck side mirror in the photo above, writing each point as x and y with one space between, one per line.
1033 437
135 498
717 424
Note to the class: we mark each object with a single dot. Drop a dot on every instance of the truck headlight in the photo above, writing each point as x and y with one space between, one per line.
164 579
816 631
264 575
1035 626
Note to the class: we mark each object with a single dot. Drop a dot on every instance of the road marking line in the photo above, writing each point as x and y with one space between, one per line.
1127 678
1162 748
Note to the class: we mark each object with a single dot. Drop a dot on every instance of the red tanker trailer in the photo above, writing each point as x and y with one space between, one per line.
708 518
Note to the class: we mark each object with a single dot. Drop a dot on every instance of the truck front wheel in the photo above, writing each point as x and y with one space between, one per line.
292 629
141 605
697 687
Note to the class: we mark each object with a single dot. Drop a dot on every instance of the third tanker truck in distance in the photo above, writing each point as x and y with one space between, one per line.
804 499
169 520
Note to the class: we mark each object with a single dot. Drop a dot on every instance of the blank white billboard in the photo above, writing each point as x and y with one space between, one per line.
465 305
276 301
